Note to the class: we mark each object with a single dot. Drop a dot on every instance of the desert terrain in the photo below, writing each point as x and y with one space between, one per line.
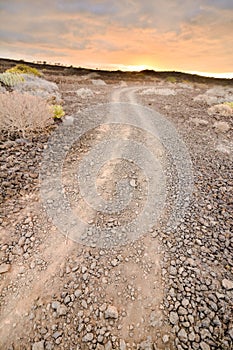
162 282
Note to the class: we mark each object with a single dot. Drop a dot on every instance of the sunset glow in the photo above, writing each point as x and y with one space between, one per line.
190 36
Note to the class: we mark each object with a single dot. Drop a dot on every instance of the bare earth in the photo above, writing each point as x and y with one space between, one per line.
164 289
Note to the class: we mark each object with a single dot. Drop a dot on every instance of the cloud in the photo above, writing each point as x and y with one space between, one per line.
172 34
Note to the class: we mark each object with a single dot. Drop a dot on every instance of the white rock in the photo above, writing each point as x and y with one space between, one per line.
165 338
122 344
38 345
4 268
111 312
133 183
199 121
156 91
68 120
227 284
84 93
98 82
221 126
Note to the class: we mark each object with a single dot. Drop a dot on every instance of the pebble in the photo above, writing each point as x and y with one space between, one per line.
204 346
4 268
38 345
122 344
227 284
174 318
182 335
111 312
88 337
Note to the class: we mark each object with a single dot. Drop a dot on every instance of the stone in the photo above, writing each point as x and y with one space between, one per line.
39 345
88 337
55 304
182 311
122 344
68 120
77 293
227 284
173 317
4 268
111 312
182 335
57 334
133 183
204 346
199 121
165 338
221 126
62 310
146 345
108 346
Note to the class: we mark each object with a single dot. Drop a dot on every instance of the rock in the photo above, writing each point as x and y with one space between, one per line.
88 337
221 126
108 346
111 312
122 344
4 268
98 82
114 262
55 304
62 310
68 120
182 311
173 317
67 299
84 304
199 122
165 338
182 335
204 346
227 284
133 183
185 302
77 293
38 345
57 334
146 345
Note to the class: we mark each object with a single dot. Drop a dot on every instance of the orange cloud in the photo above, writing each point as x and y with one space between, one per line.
191 37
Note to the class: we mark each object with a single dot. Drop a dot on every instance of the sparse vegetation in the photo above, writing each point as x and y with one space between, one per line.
223 109
230 104
23 114
11 79
58 111
24 69
171 79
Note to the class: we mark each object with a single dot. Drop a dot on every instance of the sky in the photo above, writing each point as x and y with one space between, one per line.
181 35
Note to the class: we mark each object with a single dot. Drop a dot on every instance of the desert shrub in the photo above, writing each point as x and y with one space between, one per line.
23 114
157 91
230 104
222 109
58 111
11 79
85 92
23 69
171 79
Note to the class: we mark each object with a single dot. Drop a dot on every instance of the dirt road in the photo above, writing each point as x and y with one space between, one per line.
110 251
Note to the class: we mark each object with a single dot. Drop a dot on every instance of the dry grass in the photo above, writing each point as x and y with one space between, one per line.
221 109
23 114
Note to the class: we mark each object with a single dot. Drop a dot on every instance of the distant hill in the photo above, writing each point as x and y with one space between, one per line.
6 63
